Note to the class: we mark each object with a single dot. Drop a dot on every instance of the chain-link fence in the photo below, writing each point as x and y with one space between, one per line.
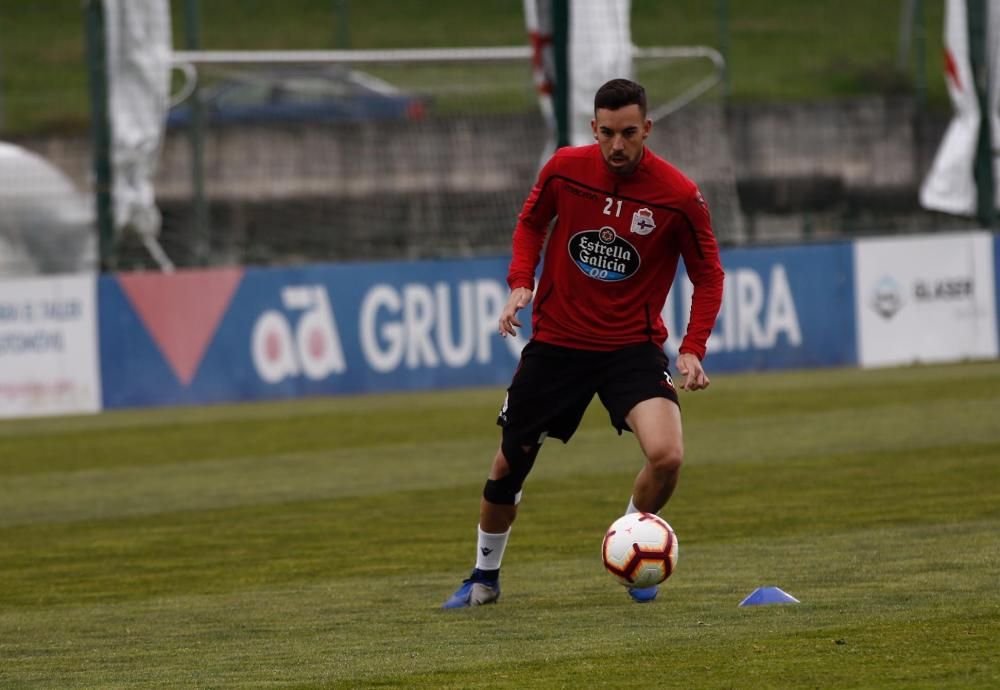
321 160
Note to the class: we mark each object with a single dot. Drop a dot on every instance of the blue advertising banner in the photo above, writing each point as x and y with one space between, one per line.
783 307
996 279
230 334
259 334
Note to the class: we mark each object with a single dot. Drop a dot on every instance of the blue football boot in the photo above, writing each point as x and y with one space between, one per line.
643 594
477 590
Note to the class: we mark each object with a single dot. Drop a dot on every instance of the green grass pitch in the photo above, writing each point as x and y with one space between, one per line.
309 544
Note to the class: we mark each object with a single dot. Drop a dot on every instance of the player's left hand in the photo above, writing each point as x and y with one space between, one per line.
689 366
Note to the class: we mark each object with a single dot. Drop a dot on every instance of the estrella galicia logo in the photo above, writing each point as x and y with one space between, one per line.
887 297
603 255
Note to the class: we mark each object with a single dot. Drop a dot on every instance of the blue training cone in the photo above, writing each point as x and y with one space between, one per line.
768 595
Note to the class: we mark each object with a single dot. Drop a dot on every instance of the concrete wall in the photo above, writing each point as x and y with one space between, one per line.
453 185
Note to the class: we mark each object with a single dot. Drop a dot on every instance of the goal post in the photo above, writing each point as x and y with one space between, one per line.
188 62
449 182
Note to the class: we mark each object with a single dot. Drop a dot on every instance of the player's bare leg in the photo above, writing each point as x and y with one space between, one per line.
656 424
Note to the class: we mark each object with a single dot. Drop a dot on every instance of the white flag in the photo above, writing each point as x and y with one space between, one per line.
139 50
600 49
950 184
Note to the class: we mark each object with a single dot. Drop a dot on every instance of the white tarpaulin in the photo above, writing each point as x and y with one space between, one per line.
950 185
139 48
46 224
600 48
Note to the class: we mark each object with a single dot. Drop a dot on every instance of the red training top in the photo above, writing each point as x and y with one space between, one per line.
612 254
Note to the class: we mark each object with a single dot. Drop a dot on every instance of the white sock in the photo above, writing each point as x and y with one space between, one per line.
631 507
489 549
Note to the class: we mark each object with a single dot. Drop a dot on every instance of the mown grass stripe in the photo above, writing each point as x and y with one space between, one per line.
296 563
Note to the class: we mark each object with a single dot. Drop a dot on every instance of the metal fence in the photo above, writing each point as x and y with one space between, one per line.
370 152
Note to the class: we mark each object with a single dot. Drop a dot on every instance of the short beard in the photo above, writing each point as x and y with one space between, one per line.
628 169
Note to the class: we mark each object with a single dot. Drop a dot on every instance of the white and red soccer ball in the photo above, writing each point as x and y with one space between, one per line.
640 550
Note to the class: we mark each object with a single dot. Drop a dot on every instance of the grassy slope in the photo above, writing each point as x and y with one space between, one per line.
780 49
309 544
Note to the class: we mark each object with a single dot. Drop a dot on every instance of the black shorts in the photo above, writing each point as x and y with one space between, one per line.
553 386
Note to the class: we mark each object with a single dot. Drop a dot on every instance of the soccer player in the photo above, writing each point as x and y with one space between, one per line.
623 218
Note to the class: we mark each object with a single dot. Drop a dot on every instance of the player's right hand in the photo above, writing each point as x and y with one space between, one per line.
519 297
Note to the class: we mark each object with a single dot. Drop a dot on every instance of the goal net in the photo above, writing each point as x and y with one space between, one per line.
341 155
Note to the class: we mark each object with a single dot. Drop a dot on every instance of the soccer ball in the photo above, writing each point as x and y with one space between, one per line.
640 550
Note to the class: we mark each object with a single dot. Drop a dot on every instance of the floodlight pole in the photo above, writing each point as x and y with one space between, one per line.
978 56
920 52
100 129
201 246
342 10
722 26
560 92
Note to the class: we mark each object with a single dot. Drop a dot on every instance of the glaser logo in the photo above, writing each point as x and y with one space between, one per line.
886 297
887 294
946 289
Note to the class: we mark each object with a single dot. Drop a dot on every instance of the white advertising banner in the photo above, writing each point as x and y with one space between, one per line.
48 346
925 299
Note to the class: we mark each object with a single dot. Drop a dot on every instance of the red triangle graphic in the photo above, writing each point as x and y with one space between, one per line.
182 311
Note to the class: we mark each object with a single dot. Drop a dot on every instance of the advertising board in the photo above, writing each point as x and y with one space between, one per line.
233 334
258 334
925 299
783 307
48 346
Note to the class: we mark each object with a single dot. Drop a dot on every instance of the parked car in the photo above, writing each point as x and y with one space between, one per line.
301 95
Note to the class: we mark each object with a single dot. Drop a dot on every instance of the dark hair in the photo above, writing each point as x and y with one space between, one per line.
619 93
